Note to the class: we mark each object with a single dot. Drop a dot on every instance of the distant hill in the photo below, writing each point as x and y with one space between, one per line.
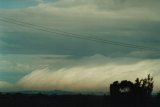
56 92
53 92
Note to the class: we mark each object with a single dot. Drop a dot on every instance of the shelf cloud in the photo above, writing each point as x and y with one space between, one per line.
34 56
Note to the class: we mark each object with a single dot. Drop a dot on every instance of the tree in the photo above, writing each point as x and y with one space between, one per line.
129 93
141 88
144 87
123 88
114 88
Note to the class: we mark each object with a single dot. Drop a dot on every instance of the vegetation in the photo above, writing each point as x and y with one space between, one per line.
135 94
122 94
141 88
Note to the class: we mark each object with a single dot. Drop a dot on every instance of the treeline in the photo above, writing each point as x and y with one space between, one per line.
40 100
122 94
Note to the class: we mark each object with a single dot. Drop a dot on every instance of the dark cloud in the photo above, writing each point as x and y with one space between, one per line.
35 43
26 50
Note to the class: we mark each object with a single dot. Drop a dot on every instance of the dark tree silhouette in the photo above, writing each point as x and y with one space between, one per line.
126 87
138 92
123 88
114 88
144 87
141 87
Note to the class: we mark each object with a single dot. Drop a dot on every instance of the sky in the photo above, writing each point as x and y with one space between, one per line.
33 58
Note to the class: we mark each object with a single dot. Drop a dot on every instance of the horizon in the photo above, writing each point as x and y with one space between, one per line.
77 45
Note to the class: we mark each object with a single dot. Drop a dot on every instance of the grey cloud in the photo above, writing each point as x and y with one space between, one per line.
42 43
86 74
26 50
4 86
84 77
111 4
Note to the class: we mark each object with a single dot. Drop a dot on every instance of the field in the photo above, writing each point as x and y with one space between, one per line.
40 100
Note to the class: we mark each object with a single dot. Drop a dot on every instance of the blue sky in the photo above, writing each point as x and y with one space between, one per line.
30 58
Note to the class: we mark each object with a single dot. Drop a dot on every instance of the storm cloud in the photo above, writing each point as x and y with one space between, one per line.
45 60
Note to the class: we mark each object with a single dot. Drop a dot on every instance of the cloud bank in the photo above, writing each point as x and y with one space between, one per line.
81 65
91 78
89 74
